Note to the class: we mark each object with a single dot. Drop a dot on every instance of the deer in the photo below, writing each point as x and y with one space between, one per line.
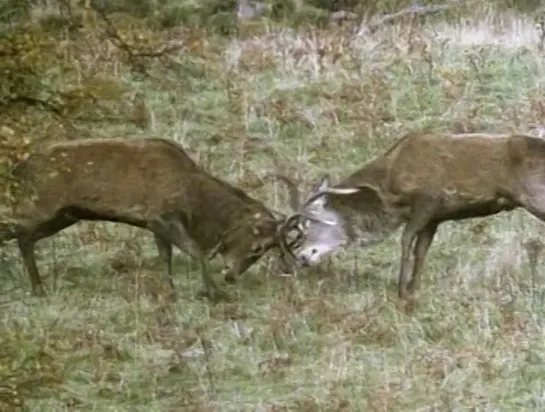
149 183
419 182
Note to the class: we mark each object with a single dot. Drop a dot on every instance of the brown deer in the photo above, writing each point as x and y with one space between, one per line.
424 179
148 183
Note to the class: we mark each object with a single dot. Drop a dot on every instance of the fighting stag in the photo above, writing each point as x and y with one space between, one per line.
422 180
148 183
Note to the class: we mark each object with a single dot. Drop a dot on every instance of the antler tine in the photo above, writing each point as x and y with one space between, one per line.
281 216
293 191
284 228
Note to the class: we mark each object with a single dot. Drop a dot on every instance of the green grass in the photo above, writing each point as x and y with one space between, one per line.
333 338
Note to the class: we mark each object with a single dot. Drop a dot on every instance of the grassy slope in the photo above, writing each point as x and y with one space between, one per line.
330 339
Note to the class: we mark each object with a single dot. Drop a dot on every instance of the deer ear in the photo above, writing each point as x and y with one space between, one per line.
320 187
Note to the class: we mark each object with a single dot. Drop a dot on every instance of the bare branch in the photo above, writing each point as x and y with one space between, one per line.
133 55
414 10
293 190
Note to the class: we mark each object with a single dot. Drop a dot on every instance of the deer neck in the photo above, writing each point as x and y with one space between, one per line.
370 228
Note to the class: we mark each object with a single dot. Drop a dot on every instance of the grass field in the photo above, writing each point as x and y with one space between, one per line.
331 338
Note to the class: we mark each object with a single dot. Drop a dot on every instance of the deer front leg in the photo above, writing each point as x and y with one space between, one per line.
423 209
423 242
407 239
169 230
211 289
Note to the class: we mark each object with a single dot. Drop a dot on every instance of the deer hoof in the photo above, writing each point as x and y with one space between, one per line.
39 291
412 287
229 278
407 305
202 294
221 295
228 275
171 296
403 292
215 295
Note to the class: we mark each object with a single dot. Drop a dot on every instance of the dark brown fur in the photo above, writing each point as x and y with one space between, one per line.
148 183
425 179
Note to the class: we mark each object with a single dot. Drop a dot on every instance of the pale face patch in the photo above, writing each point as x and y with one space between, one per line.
322 229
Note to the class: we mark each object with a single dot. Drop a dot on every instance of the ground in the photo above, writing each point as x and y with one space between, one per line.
333 338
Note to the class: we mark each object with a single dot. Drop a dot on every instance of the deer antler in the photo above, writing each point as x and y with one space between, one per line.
293 190
284 229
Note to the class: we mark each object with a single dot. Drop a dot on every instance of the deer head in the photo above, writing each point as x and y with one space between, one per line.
321 229
250 239
322 226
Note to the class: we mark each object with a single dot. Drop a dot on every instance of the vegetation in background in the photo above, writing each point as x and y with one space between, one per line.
291 91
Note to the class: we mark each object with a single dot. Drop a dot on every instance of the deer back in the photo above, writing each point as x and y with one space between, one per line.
105 175
469 166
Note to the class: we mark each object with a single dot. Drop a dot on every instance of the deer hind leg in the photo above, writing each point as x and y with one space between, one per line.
423 210
407 240
424 239
26 240
164 247
26 247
